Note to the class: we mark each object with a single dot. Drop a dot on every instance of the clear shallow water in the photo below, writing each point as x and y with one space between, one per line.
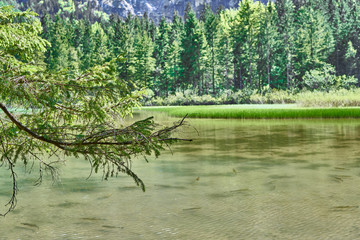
239 179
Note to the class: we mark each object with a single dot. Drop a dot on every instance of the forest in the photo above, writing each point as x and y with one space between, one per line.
286 45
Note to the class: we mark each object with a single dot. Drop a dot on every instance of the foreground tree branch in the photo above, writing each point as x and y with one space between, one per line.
47 113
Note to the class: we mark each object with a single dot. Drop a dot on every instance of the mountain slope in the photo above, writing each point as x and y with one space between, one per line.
154 8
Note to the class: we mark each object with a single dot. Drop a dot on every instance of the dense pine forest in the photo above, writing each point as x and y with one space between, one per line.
287 45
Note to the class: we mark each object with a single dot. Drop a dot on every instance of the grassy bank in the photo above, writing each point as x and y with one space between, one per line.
257 111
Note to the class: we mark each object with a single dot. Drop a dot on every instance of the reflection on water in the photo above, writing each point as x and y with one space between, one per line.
239 179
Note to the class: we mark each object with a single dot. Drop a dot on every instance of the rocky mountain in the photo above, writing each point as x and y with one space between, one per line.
158 8
154 8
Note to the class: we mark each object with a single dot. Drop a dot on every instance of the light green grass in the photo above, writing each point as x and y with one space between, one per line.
337 98
257 111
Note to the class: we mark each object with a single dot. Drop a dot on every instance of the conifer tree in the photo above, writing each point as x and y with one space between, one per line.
245 36
224 45
191 52
162 78
100 52
59 50
143 60
313 42
86 45
271 42
211 22
286 11
175 34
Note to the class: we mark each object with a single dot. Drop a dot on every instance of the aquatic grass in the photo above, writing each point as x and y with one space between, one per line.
257 112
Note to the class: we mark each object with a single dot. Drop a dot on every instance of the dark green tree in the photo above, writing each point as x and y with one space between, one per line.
211 22
175 34
286 15
191 45
314 41
162 77
224 55
143 60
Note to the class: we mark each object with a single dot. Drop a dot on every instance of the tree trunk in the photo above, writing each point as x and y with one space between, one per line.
268 64
249 44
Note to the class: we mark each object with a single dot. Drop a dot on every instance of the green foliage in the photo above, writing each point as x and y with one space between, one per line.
19 40
74 114
8 2
345 82
67 5
320 79
325 79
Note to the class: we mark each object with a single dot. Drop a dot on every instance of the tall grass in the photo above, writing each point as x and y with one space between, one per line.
237 111
334 98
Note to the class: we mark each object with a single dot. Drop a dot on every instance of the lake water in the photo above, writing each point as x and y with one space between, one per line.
239 179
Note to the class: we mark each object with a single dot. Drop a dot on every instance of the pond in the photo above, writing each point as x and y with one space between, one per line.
239 179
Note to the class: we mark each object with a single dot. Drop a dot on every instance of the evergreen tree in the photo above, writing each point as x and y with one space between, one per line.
162 78
191 45
286 15
175 34
99 53
211 22
352 59
59 51
271 42
143 60
86 45
224 54
245 37
313 42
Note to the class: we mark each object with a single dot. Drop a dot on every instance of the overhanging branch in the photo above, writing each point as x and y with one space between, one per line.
63 145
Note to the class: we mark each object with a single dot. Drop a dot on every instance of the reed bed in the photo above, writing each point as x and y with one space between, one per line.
258 112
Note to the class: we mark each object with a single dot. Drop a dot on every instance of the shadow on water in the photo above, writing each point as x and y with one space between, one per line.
233 193
316 166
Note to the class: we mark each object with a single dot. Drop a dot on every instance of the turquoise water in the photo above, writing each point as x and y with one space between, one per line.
239 179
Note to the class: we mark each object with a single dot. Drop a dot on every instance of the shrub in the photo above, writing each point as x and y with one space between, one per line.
257 98
325 80
208 100
280 97
157 101
243 96
147 96
345 82
176 100
227 97
320 79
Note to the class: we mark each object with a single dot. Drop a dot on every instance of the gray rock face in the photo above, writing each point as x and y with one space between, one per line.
158 8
